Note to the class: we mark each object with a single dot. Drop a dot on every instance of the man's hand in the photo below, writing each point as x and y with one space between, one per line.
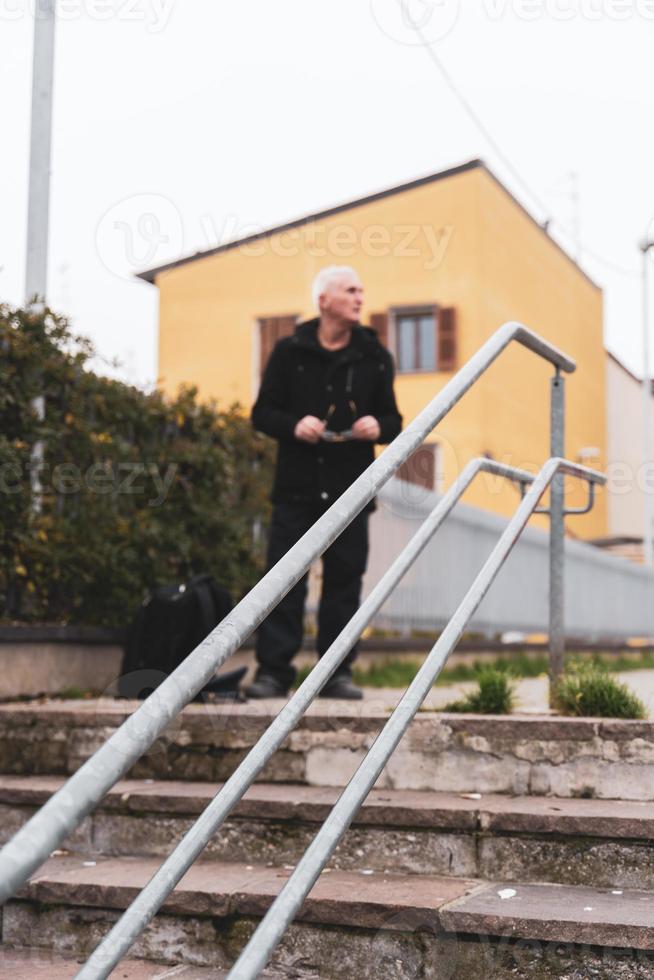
367 428
309 429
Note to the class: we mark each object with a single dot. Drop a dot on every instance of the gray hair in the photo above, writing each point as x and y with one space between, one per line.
326 277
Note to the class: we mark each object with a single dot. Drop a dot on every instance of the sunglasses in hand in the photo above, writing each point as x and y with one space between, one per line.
329 435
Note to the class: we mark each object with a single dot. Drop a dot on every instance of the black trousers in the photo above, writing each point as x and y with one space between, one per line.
343 564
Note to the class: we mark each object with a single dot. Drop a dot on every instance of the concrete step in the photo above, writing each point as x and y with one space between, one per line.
35 964
517 755
399 927
597 843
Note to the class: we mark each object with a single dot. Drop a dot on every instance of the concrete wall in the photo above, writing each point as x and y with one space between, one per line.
33 668
628 478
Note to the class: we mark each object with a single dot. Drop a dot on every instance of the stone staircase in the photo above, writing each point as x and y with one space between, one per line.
491 847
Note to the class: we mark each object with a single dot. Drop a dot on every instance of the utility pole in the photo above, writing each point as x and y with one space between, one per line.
645 247
36 268
38 209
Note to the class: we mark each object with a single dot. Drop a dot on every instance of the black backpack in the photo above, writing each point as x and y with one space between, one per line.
171 622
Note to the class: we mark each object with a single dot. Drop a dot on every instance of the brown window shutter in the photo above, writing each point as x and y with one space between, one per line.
272 329
446 339
420 468
379 323
265 341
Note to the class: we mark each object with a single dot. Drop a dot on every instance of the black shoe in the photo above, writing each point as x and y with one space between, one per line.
266 686
341 687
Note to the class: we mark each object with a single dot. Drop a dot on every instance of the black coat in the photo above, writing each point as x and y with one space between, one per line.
302 378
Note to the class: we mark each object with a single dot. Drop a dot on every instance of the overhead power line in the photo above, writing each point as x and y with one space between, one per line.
505 160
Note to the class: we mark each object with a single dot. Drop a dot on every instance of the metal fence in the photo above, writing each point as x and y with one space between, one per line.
606 597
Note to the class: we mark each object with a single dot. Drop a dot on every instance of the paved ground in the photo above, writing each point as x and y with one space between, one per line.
531 693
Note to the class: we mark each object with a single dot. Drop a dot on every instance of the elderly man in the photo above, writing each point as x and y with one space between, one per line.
327 397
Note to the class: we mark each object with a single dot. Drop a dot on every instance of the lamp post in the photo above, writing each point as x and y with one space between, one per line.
40 140
645 247
38 208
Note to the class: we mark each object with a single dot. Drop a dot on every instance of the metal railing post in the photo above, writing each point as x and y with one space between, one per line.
64 811
258 950
117 942
70 804
557 554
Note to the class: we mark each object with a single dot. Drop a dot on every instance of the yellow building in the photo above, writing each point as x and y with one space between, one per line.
445 260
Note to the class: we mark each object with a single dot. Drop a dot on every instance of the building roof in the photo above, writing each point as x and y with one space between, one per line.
616 360
149 275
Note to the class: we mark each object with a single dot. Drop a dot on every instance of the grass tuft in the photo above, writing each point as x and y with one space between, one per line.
587 690
495 695
72 694
398 672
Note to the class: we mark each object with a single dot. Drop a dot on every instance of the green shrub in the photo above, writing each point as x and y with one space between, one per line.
587 690
138 489
494 696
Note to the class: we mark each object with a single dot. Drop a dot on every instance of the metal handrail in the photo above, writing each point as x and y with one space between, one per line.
46 830
118 941
257 952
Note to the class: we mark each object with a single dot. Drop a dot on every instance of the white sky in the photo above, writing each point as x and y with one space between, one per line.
179 123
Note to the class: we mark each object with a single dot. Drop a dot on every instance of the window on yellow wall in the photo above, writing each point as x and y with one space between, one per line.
415 337
424 339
